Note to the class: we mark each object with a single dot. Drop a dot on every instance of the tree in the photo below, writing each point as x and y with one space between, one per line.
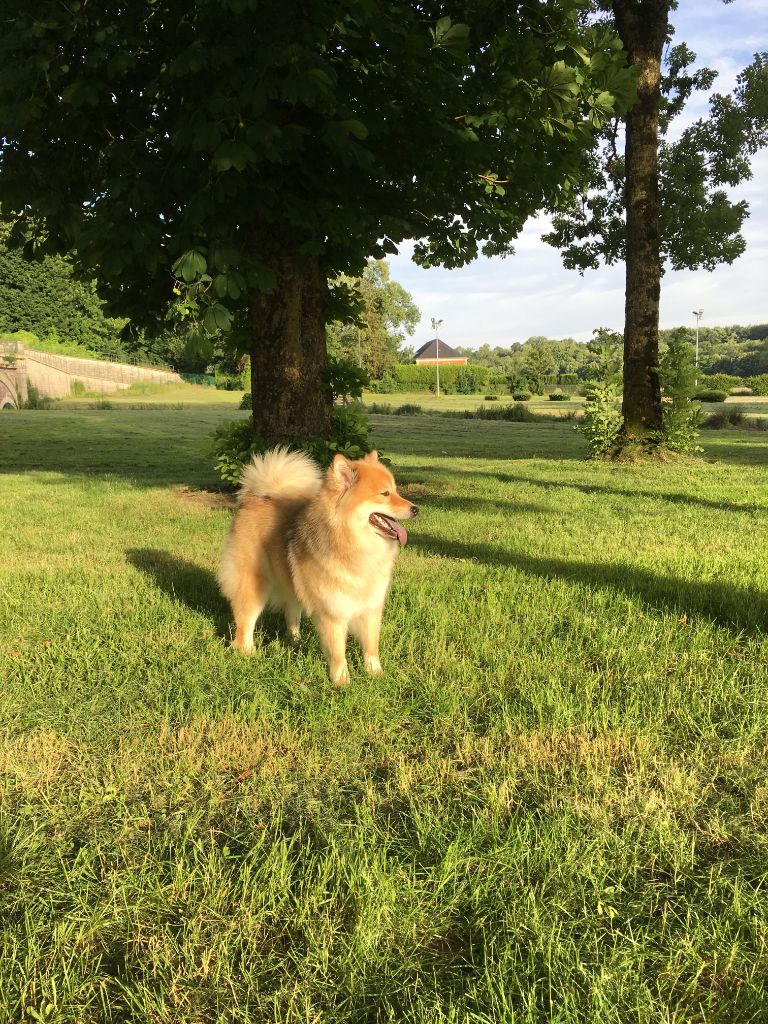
46 298
662 200
262 148
538 362
385 316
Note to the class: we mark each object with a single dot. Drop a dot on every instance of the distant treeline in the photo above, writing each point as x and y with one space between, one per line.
741 351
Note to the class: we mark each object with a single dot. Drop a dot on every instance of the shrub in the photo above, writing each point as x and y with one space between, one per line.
720 381
521 396
35 400
77 387
710 395
758 384
102 403
681 415
741 392
409 409
246 402
602 419
349 436
228 381
559 396
727 418
233 442
512 413
491 398
568 378
380 409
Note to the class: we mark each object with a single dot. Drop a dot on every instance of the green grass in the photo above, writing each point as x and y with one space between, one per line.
458 403
147 394
552 808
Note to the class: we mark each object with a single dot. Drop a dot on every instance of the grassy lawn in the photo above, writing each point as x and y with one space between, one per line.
141 395
553 808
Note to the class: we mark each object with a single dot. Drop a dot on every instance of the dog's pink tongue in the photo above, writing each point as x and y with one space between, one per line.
402 536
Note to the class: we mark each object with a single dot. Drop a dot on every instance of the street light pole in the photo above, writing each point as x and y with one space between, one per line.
435 325
698 313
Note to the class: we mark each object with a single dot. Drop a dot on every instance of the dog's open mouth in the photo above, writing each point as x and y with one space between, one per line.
388 527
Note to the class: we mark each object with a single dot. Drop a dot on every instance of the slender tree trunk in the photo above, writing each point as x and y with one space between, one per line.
288 356
642 26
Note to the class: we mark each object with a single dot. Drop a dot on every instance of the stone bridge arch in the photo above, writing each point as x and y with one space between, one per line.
8 396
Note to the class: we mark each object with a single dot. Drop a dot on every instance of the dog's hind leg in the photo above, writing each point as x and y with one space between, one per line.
292 613
248 603
333 637
367 628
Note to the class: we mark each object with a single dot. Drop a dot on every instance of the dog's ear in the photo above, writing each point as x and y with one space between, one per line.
343 471
372 456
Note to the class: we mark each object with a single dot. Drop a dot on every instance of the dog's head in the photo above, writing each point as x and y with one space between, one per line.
367 496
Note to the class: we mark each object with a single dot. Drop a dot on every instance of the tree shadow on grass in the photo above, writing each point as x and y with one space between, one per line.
736 607
677 499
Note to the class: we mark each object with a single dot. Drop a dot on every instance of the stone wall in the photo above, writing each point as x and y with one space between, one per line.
54 375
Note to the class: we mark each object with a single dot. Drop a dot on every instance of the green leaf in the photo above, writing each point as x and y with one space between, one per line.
217 318
451 37
190 266
233 153
356 128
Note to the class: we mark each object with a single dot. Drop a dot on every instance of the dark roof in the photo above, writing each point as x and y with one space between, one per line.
430 351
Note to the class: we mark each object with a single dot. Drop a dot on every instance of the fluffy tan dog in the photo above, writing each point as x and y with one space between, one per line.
325 545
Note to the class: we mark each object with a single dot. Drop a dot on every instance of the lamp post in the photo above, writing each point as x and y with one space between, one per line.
698 313
435 325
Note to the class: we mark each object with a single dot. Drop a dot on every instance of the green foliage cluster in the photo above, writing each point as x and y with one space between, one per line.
45 298
681 414
328 138
710 395
721 381
738 350
559 396
759 384
35 400
700 224
384 314
602 420
467 380
510 413
234 443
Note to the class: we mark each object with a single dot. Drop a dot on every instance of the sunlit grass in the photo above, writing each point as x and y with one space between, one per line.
552 808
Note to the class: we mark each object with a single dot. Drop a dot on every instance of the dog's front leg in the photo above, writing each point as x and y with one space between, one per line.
333 637
367 628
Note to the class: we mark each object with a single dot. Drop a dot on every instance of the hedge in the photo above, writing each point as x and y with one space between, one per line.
410 377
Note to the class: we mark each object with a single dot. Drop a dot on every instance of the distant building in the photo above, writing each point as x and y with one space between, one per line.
436 353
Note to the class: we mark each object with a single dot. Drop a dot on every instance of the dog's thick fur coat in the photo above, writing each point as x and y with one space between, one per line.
325 545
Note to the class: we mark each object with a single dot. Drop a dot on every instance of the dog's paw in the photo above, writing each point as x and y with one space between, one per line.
373 666
340 677
244 649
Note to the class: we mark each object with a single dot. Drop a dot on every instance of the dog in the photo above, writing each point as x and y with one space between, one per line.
321 544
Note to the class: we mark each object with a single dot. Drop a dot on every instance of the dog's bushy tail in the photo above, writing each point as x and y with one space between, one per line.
281 473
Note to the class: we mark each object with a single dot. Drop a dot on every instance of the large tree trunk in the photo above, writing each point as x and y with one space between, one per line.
642 26
288 356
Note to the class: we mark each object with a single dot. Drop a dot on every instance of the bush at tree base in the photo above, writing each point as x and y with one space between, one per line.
234 443
681 414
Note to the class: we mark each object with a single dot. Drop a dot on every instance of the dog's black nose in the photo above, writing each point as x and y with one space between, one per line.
414 511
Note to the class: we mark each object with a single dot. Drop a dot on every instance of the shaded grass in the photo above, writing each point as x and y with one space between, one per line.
553 807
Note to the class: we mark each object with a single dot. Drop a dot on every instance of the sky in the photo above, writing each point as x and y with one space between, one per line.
498 301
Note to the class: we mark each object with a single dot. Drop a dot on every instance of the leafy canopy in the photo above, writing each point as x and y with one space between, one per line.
699 225
211 135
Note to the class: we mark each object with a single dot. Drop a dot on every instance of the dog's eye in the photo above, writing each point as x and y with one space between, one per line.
385 494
